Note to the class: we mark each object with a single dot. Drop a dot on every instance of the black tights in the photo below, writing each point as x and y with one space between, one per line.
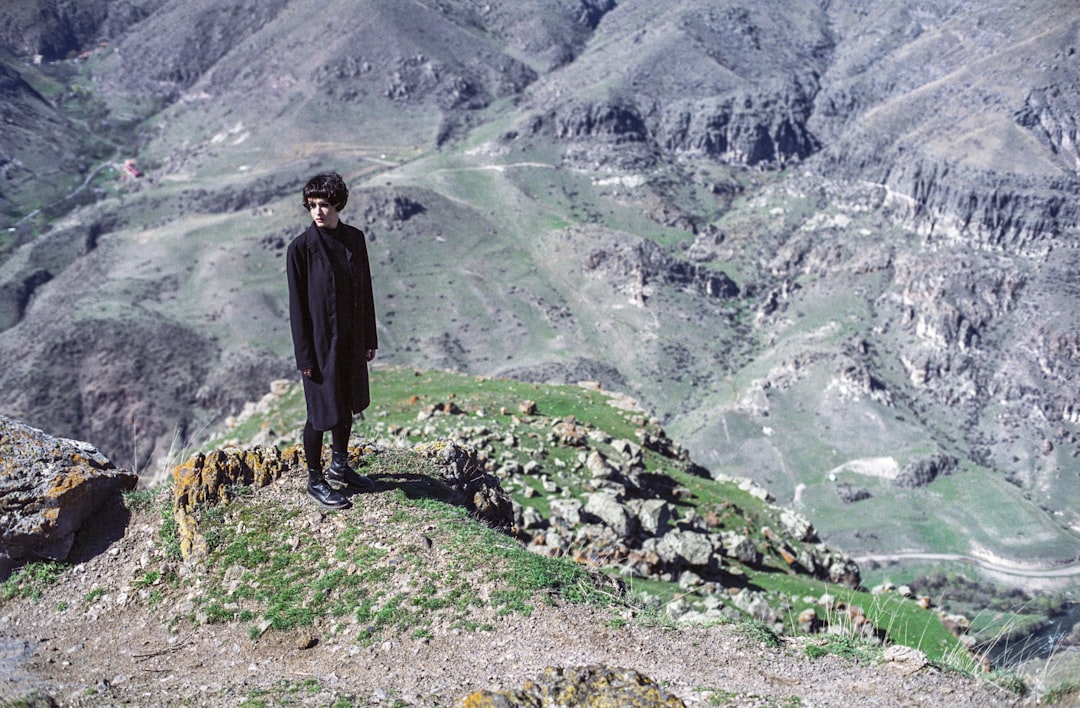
313 441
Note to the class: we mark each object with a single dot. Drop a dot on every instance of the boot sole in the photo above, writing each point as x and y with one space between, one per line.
328 507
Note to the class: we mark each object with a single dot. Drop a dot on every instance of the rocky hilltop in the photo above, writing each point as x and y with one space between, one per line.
176 594
831 244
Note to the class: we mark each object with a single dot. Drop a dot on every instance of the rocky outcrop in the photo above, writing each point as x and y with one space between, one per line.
479 492
746 128
386 208
749 128
49 488
921 472
1012 213
1050 113
210 479
634 267
628 519
580 686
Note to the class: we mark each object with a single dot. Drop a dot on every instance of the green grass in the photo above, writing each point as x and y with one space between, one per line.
31 580
902 620
400 393
860 651
371 580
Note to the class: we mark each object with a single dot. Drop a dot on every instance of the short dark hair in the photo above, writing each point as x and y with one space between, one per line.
329 186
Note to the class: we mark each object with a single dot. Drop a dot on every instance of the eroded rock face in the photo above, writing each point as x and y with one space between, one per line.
49 487
923 471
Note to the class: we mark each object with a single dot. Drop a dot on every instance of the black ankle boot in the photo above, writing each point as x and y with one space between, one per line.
341 475
323 494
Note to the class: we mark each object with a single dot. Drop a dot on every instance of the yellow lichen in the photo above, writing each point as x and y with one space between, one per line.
207 479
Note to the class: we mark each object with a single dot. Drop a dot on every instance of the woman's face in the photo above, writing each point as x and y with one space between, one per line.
323 213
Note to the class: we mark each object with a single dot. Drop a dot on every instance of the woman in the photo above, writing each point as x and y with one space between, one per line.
332 313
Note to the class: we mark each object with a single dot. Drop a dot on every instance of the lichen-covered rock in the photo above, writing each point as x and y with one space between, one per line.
49 487
587 687
207 479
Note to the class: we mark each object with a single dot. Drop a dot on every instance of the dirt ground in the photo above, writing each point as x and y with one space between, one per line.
87 642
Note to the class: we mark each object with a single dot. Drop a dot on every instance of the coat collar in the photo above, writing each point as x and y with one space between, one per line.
316 246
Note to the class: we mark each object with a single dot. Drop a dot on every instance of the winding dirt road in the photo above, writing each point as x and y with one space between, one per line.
995 566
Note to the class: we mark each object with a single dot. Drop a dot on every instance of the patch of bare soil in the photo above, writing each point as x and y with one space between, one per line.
93 640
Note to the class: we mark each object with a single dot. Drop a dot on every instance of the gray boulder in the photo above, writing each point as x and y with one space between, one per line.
599 467
569 510
49 487
741 548
630 451
679 548
608 509
654 515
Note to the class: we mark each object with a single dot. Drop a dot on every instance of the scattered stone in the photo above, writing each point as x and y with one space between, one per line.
597 686
808 621
654 515
678 547
740 548
566 510
903 660
568 433
798 526
598 466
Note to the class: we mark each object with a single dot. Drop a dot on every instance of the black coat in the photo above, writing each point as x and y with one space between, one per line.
333 344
